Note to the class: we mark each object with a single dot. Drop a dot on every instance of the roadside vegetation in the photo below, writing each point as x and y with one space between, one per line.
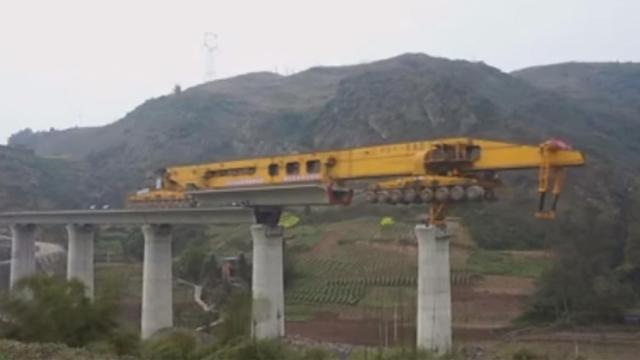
594 277
52 310
336 265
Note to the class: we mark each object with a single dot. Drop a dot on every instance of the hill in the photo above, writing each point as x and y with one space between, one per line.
412 96
606 87
31 182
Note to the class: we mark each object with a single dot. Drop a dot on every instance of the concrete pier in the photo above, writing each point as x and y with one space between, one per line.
268 282
23 249
434 290
80 263
157 291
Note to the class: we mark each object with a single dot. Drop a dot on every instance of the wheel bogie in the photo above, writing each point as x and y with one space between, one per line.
426 195
457 193
410 196
383 196
442 194
396 196
475 193
429 194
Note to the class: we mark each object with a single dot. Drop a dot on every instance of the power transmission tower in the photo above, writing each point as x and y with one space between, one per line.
210 47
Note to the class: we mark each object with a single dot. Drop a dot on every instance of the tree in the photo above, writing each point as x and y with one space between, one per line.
244 269
237 315
631 266
584 284
50 309
133 246
198 265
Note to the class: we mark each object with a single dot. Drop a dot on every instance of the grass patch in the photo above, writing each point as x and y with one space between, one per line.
558 350
10 350
303 237
397 353
389 297
300 312
129 278
229 240
501 263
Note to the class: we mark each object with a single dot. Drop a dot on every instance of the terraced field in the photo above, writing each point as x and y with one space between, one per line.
344 265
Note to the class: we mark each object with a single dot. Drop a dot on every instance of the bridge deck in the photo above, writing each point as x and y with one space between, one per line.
226 215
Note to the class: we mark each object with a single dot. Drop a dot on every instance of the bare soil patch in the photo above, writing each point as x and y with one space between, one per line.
505 285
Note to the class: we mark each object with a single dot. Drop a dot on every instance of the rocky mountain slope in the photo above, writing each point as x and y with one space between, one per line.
413 96
613 88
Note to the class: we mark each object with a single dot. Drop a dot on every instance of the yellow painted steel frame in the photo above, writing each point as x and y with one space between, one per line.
394 160
451 157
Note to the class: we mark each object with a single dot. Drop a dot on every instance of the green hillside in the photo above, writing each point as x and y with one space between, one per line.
350 279
31 182
412 96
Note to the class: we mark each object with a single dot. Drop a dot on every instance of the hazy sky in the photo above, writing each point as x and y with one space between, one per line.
65 63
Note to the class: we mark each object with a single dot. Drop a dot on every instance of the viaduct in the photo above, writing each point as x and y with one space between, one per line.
434 292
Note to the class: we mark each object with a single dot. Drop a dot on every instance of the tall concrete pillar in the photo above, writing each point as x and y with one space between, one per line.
80 255
23 252
157 291
434 290
267 282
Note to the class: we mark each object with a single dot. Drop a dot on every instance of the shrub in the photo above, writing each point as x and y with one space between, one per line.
171 345
316 354
50 309
398 354
387 221
246 350
524 354
237 318
289 220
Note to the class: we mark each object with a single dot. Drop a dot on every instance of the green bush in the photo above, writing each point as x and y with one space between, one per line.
197 264
585 285
524 354
124 342
316 354
171 345
397 354
289 220
263 350
50 309
237 318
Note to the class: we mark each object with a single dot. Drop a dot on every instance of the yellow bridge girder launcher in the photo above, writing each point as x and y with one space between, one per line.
436 172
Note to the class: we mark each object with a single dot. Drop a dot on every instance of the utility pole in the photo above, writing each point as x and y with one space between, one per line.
210 47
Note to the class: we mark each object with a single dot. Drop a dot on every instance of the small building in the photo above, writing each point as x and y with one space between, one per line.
235 270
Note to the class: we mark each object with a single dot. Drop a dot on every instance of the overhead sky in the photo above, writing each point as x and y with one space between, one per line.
69 63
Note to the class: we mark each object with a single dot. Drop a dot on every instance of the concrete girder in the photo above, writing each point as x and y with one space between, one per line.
228 215
278 196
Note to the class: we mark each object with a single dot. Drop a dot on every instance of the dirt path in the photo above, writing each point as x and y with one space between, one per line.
506 285
328 242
